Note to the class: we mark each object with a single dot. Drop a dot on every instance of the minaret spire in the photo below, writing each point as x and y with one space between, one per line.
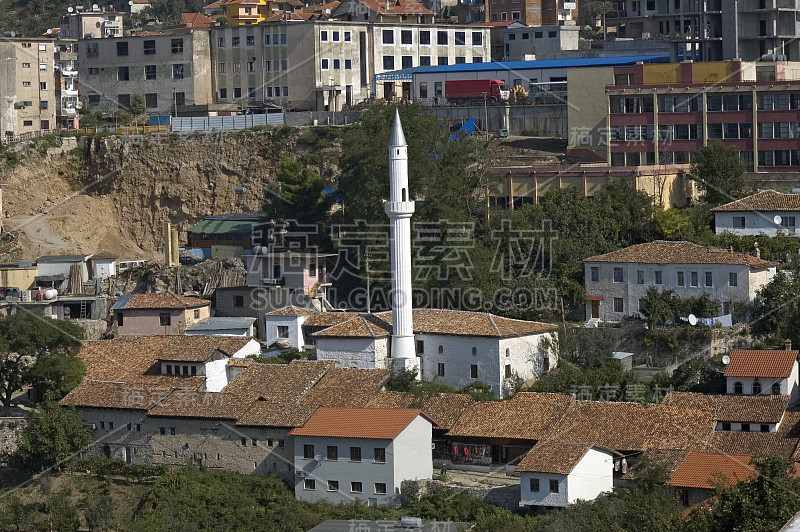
399 208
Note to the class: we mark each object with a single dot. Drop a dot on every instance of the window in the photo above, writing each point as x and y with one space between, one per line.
425 37
756 388
405 37
442 60
474 351
335 36
355 454
149 47
180 98
161 430
738 222
726 427
355 487
221 42
250 40
28 65
235 41
737 388
333 452
553 485
324 64
477 38
461 38
150 72
308 451
441 38
681 281
619 304
333 485
440 369
123 74
177 46
693 281
534 484
776 388
423 89
388 62
251 66
151 102
323 36
473 371
123 101
709 279
380 488
618 277
122 48
460 59
508 371
309 484
406 61
164 319
420 347
92 72
380 455
347 36
639 277
733 279
119 319
657 276
388 36
348 64
437 89
788 222
43 85
745 427
177 71
594 273
283 331
172 431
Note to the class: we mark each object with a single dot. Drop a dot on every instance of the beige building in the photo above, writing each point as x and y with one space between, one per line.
171 70
27 85
90 24
151 314
326 65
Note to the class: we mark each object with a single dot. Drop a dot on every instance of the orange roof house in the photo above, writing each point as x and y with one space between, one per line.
763 372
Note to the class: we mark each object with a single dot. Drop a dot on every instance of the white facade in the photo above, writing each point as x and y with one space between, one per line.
104 268
785 386
756 223
407 457
591 476
539 42
360 353
285 329
622 285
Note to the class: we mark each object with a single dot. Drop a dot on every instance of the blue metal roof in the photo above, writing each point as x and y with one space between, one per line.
550 63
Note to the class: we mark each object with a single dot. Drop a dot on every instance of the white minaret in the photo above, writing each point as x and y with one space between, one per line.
400 208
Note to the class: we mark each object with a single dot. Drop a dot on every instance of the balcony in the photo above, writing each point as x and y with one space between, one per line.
66 56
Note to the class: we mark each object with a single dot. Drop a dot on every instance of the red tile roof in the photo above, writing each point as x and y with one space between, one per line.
766 200
292 310
362 326
462 323
164 301
527 416
667 252
752 408
395 7
703 470
347 388
195 20
370 423
767 364
445 408
558 458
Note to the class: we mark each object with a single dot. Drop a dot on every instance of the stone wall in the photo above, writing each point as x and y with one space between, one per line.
507 497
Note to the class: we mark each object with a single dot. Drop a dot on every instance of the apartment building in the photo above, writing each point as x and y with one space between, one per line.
534 12
171 70
713 30
66 83
27 83
662 113
247 12
540 42
325 65
95 23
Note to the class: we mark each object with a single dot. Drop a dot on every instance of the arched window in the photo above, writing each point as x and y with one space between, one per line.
474 351
776 388
756 388
404 195
508 352
441 349
737 387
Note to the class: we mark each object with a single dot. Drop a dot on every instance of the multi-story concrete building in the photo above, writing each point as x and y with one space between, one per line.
27 83
394 12
540 42
94 24
66 84
170 70
661 114
617 281
534 12
329 64
248 12
713 30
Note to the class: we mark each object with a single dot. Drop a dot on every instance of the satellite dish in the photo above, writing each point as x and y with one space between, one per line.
726 360
692 319
70 10
777 219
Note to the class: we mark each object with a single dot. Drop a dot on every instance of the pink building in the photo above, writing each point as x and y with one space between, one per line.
157 314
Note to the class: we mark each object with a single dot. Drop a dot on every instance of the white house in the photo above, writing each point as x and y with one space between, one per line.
285 325
617 281
767 213
699 474
57 269
341 454
104 265
763 372
556 474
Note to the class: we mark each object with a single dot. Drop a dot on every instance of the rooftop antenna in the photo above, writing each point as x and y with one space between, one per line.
692 320
726 360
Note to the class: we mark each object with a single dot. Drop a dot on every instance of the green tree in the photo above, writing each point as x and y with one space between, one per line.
137 105
776 311
718 171
54 375
699 374
50 435
63 514
98 508
657 306
301 194
24 339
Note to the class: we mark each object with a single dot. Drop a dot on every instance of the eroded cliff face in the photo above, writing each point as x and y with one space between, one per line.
114 193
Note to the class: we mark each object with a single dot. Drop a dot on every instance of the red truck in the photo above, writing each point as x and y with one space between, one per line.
464 90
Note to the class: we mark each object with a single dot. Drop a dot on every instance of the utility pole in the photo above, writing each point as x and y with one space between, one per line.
486 115
369 295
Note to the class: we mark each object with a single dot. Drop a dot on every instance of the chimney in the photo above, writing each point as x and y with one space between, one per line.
758 250
787 344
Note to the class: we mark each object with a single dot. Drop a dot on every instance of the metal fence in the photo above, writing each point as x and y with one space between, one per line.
225 123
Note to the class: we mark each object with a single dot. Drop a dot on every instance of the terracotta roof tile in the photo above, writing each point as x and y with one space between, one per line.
558 458
279 383
781 443
292 310
371 423
327 319
703 470
768 364
444 408
618 426
262 413
669 459
462 323
164 301
195 20
199 405
362 326
396 7
752 408
527 416
668 252
766 200
240 362
347 388
116 395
